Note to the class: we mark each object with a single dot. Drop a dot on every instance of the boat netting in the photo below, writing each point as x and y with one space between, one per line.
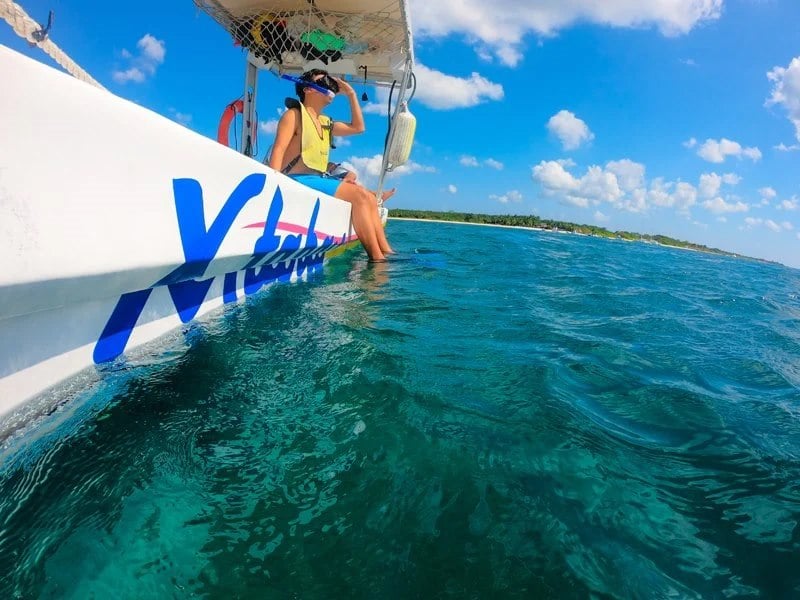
366 38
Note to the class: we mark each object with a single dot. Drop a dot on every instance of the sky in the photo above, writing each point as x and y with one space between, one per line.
673 117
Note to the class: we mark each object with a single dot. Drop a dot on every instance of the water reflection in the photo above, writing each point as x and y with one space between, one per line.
372 278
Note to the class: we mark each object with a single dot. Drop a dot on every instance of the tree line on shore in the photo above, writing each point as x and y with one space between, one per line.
549 225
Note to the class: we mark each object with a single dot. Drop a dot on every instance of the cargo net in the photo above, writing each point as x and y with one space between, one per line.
280 37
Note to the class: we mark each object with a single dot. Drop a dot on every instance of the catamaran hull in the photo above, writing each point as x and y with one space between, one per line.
118 225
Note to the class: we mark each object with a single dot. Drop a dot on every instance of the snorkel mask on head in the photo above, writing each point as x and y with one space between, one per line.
327 82
324 85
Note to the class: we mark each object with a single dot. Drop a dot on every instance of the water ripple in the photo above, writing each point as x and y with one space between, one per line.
550 416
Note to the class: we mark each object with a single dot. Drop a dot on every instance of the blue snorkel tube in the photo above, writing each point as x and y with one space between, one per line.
310 84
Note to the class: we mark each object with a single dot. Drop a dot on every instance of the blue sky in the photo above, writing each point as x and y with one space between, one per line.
679 117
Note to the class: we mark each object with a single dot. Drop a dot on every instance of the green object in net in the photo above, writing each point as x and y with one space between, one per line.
323 41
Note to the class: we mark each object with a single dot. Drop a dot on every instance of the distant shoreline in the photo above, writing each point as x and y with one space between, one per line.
478 224
564 231
608 235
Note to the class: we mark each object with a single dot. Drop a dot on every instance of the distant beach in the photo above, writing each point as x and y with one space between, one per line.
571 228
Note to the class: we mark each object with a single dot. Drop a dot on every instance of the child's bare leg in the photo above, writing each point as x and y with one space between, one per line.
363 209
380 234
386 194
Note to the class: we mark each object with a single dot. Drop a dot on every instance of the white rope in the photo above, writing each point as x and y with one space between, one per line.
25 27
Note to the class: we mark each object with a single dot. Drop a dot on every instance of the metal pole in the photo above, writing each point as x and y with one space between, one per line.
249 112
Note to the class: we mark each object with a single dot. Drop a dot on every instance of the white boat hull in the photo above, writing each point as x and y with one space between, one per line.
118 225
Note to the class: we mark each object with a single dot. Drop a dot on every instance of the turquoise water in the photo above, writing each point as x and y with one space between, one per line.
495 413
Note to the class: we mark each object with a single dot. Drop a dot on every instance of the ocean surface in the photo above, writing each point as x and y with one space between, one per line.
495 413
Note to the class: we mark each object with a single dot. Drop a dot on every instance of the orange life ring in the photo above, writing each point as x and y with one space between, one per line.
228 115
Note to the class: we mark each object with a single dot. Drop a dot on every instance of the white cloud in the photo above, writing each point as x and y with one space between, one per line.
484 53
784 148
493 164
510 196
500 27
376 108
630 175
600 217
716 151
786 91
452 189
731 179
368 168
471 161
719 206
440 91
659 193
753 153
767 193
151 48
690 143
751 222
554 177
596 186
636 202
711 183
620 184
684 196
509 55
601 184
269 127
144 64
182 118
569 129
444 92
132 74
791 204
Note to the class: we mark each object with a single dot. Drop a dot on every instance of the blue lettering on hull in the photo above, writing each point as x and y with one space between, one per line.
273 259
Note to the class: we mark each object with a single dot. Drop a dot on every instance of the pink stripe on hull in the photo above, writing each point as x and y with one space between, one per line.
299 229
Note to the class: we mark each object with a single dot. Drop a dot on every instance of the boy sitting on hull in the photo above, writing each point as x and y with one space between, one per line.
301 149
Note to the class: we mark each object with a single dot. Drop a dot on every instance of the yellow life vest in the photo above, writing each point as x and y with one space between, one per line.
315 149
